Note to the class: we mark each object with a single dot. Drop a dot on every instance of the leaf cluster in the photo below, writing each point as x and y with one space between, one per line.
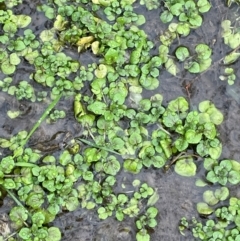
229 75
186 10
224 172
224 226
198 62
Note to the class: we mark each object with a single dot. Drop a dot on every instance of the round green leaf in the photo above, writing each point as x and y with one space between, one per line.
185 167
203 5
10 27
192 136
182 53
132 165
101 71
149 83
47 35
23 21
166 16
204 209
203 51
180 104
142 235
222 193
209 197
111 166
54 234
234 177
14 59
171 67
25 233
8 68
193 67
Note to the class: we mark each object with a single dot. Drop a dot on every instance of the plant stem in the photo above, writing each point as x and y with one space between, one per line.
15 199
18 203
180 155
100 147
10 236
42 118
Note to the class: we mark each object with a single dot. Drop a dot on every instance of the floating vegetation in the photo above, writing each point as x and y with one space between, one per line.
122 129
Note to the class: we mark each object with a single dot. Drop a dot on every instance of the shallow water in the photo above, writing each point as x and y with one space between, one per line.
178 195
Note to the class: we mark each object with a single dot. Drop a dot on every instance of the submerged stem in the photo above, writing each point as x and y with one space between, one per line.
96 146
15 199
11 235
42 118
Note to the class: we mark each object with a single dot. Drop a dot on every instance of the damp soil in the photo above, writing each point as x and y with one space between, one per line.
178 195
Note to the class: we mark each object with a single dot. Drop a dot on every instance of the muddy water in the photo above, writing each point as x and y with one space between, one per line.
178 195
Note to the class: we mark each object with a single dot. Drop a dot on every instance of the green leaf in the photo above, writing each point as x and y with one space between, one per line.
88 176
237 221
142 235
111 166
209 163
132 165
180 104
72 203
13 114
59 23
141 20
152 212
149 83
38 218
14 59
54 234
235 165
97 107
210 130
192 67
23 21
204 209
176 9
25 233
216 150
213 114
166 16
204 6
195 20
181 144
203 51
48 11
111 56
183 28
234 177
200 183
209 197
19 45
158 161
211 176
10 27
47 35
185 167
9 183
102 213
171 67
65 158
101 71
182 53
192 136
18 215
231 58
222 193
8 68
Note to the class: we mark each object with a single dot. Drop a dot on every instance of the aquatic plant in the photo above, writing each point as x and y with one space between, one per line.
121 129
